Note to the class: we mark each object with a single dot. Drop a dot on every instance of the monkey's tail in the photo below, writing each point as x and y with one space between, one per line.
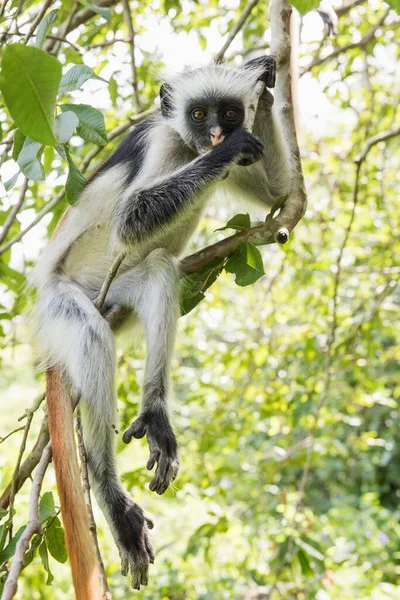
80 548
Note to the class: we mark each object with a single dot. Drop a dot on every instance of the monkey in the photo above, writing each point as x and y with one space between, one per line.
147 198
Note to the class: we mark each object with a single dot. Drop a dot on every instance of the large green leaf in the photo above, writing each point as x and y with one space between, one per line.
246 263
29 81
29 162
91 122
75 78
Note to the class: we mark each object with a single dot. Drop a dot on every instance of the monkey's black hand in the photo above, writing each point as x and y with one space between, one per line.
162 445
245 147
269 65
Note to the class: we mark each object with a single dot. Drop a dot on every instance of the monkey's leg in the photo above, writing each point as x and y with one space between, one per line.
152 290
73 333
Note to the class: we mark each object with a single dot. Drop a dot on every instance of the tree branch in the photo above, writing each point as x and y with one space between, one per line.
371 142
319 60
78 19
242 20
86 493
33 526
131 45
14 211
37 20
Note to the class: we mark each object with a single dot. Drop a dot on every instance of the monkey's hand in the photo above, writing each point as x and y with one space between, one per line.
136 551
269 65
245 147
162 445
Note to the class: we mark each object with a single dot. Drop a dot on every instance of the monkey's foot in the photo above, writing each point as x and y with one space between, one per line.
162 445
137 552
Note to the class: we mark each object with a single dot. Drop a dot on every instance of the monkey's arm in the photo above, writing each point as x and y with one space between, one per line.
143 211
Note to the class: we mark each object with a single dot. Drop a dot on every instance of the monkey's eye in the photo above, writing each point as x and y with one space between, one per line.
198 114
231 114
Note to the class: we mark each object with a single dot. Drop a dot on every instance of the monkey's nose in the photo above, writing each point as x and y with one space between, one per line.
216 135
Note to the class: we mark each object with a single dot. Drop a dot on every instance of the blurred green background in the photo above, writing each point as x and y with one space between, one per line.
287 386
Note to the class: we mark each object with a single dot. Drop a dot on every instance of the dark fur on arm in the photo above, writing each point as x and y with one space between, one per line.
149 209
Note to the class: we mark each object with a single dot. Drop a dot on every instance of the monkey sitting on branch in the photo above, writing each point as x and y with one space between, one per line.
146 200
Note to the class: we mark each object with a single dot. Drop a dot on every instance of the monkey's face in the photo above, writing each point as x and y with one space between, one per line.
208 121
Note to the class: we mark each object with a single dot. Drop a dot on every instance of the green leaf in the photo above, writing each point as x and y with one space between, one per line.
193 286
306 568
304 6
28 160
65 125
9 184
113 91
311 550
44 27
275 207
246 263
45 562
91 123
3 513
46 507
19 139
100 10
238 222
54 536
75 78
29 81
9 550
31 553
75 180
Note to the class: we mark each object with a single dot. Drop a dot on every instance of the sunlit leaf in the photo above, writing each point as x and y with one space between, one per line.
246 263
75 78
28 160
91 122
54 536
29 81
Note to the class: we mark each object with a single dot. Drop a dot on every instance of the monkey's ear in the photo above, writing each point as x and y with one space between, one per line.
166 99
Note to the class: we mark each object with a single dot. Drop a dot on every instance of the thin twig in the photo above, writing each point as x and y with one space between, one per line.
14 211
376 139
33 526
13 489
44 211
28 465
131 45
329 347
233 33
37 20
77 19
319 60
3 439
86 493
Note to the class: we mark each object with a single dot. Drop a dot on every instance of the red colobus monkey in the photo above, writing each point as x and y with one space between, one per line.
146 198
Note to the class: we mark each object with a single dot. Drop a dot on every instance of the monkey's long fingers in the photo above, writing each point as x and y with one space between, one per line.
136 430
166 472
154 457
